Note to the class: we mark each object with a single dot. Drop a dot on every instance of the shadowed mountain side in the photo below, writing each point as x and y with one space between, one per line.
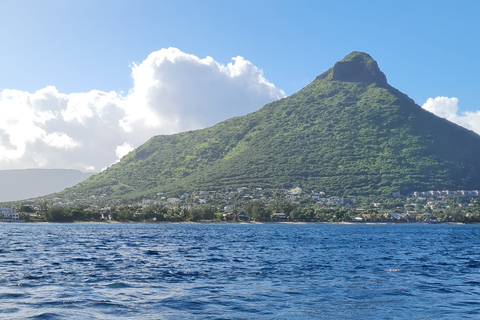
347 133
30 183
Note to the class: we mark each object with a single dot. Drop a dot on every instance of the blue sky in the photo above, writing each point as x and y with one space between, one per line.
427 49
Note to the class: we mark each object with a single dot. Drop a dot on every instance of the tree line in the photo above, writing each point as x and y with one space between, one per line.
254 210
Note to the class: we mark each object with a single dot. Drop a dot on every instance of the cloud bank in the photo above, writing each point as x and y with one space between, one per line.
448 108
172 92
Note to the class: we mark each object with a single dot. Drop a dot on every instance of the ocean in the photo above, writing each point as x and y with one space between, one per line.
239 271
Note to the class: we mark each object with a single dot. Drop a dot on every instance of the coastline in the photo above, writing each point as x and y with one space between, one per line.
242 222
12 221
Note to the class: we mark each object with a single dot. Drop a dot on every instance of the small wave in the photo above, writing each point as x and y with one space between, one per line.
81 260
4 296
183 304
151 253
109 305
34 277
26 284
213 259
473 264
9 310
47 315
118 285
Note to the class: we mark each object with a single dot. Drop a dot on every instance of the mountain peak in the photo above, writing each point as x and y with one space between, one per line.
358 67
339 133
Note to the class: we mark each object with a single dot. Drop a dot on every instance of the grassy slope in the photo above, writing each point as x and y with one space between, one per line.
346 138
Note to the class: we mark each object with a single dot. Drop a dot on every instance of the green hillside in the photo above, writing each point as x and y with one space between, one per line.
347 133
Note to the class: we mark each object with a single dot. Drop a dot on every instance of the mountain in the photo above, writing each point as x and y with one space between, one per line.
347 133
29 183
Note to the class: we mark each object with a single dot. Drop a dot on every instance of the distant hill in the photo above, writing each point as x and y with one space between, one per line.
29 183
346 133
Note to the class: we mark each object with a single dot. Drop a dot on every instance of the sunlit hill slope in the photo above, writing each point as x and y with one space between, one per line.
346 133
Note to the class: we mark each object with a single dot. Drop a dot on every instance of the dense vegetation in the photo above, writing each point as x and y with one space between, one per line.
446 209
346 134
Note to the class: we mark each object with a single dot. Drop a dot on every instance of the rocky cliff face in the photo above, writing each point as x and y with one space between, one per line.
358 67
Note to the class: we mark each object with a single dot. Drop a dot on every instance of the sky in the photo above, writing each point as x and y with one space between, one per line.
84 82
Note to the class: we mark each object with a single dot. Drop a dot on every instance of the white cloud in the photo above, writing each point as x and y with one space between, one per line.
177 91
172 92
448 108
60 140
123 150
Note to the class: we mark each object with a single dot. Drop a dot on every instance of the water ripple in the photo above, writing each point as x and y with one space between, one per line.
210 271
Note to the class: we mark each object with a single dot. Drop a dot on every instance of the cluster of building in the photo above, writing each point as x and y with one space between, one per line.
446 193
408 208
409 216
203 197
8 213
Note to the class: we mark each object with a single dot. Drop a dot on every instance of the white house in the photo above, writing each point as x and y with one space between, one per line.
394 215
8 213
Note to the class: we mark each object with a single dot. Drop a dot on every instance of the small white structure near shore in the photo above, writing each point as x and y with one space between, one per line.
8 213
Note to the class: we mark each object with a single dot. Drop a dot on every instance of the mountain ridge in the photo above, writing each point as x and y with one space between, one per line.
348 133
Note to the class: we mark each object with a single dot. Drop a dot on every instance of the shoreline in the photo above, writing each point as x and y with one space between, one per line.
242 222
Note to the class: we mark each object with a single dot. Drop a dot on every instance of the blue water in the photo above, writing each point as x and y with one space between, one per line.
217 271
